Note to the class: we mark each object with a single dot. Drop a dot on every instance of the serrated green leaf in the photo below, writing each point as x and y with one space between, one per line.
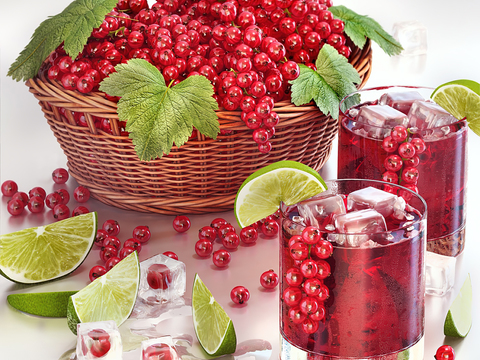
357 27
73 26
157 115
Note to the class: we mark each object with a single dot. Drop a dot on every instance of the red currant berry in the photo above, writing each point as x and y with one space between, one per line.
296 315
141 233
419 145
265 147
15 207
221 258
389 145
158 351
318 315
80 210
60 176
125 251
38 191
112 241
171 255
133 243
231 241
323 269
390 176
270 228
248 235
312 287
299 251
323 249
294 277
399 133
9 187
309 268
224 230
393 163
81 194
308 305
107 252
410 175
239 295
159 276
269 279
110 263
53 199
207 233
112 227
311 235
292 296
35 204
181 223
204 247
100 237
309 326
22 197
61 212
406 150
64 195
96 272
445 352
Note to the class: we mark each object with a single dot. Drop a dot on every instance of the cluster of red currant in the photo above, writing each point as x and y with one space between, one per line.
37 198
306 291
401 167
248 49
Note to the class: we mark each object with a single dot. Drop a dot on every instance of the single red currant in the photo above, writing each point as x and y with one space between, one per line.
159 276
141 233
9 187
299 251
22 197
111 262
38 191
410 175
221 258
81 194
107 252
248 235
309 305
294 277
269 279
296 315
60 176
309 268
64 194
53 199
389 145
231 241
323 249
96 272
181 223
406 150
133 243
112 227
419 145
240 295
171 255
15 207
399 133
270 228
292 296
35 204
224 230
204 247
100 237
125 251
61 212
393 163
311 235
207 233
445 352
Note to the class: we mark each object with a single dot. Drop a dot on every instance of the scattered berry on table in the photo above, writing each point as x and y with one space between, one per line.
112 227
60 176
171 255
445 352
269 279
9 187
203 248
240 295
181 223
81 194
221 258
61 212
80 210
96 272
141 233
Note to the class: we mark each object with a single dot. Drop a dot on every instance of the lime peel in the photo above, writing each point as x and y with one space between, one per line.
47 304
459 317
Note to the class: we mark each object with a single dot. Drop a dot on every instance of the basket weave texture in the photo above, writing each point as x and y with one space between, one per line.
203 175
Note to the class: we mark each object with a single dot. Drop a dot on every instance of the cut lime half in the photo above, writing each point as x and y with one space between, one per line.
44 253
461 98
284 181
213 326
459 317
110 297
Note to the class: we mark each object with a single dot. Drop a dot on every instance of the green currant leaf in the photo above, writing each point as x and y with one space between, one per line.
357 27
73 26
331 82
158 115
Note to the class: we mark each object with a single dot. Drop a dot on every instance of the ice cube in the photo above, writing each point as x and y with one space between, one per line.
162 279
439 273
357 225
319 210
400 100
159 348
382 116
428 115
412 35
372 198
98 340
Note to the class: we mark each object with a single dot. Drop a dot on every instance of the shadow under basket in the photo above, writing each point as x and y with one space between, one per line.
203 175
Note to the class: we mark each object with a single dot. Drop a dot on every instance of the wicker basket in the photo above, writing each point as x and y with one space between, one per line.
203 175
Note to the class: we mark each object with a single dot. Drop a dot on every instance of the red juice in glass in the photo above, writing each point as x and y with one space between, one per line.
366 297
440 169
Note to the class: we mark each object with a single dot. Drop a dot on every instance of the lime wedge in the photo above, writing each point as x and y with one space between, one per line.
110 297
461 98
262 192
48 304
213 327
459 317
47 252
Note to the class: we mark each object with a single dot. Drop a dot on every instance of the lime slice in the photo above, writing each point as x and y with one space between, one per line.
47 252
459 317
110 297
261 193
48 304
461 98
212 325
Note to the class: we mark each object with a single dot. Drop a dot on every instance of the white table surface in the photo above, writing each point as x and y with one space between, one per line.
29 152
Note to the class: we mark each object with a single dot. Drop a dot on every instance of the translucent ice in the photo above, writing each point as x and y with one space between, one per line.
162 279
439 273
319 210
382 116
98 340
358 225
400 100
372 198
412 35
159 348
428 115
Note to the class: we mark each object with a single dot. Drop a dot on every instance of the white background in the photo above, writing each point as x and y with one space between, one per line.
29 153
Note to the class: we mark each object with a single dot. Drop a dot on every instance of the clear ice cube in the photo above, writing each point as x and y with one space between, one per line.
98 340
357 225
162 279
400 100
158 348
428 115
412 35
382 116
439 273
372 198
319 210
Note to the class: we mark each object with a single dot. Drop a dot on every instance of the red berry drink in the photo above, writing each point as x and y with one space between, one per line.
352 284
429 158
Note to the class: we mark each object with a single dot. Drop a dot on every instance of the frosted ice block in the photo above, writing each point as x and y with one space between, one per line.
382 116
428 115
358 225
400 100
372 198
159 348
412 35
319 210
98 340
439 273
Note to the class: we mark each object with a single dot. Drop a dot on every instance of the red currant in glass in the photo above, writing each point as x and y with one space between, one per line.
53 199
294 277
221 258
110 263
299 251
203 248
323 249
292 296
35 204
159 276
309 326
309 305
141 233
269 279
231 241
61 212
60 176
419 145
81 194
37 191
240 295
399 133
270 228
249 235
445 352
406 150
323 269
410 175
412 162
9 187
393 163
312 287
171 255
389 145
112 227
319 314
181 223
125 251
96 272
15 207
107 252
296 315
309 268
100 237
390 176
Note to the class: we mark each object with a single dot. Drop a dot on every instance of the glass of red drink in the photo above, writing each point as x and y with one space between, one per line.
438 171
352 284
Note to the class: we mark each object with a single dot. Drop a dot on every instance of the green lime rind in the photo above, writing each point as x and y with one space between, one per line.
46 253
458 321
46 304
261 194
72 317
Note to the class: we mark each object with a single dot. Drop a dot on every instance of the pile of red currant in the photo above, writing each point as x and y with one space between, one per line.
306 292
248 49
37 198
402 161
